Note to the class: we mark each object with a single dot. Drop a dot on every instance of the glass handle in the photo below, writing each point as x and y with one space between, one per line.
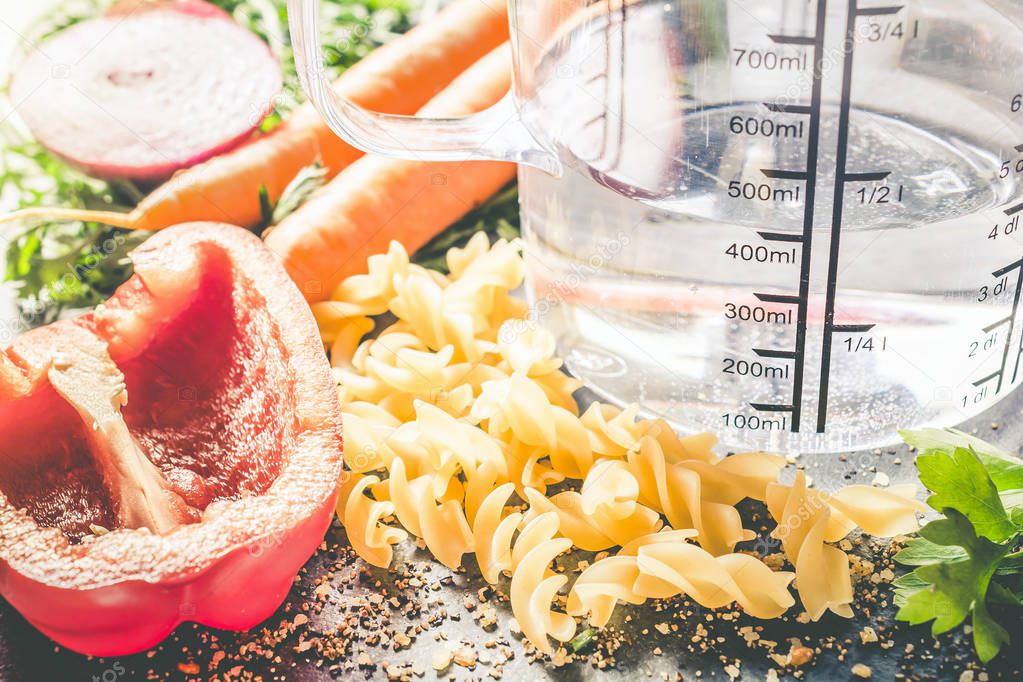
496 133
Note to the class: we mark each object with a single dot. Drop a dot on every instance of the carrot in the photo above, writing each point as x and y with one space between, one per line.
376 199
398 77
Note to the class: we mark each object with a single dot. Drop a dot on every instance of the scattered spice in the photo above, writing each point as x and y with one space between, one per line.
441 659
353 622
862 671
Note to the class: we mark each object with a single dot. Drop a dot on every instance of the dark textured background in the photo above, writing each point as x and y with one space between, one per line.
192 652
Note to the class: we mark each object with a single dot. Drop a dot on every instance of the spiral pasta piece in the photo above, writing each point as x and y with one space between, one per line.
493 531
349 334
881 512
472 375
517 409
332 316
484 285
614 432
439 438
534 587
676 490
458 259
610 488
362 516
422 304
593 532
600 587
662 565
372 292
407 369
559 387
737 477
670 568
822 571
527 348
663 535
367 429
442 526
528 468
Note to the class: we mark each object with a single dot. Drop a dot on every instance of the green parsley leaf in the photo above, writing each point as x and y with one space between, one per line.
969 559
921 552
998 593
1012 564
1005 470
906 586
947 592
959 481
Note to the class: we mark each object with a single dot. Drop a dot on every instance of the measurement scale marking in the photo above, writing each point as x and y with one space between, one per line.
801 109
996 325
1014 210
792 40
1012 317
867 177
780 237
853 328
776 174
874 11
775 354
1008 268
1010 320
842 155
994 375
1019 355
618 23
778 298
766 407
1018 265
813 110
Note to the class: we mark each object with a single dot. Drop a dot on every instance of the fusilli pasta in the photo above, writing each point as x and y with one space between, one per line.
808 520
458 419
664 565
534 586
362 516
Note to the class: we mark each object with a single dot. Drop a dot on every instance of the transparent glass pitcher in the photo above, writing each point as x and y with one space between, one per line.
795 223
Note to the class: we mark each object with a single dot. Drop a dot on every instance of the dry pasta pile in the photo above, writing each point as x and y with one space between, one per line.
458 418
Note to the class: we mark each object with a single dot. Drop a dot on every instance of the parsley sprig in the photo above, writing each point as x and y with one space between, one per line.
967 564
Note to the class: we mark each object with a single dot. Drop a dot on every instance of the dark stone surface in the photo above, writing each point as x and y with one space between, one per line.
192 650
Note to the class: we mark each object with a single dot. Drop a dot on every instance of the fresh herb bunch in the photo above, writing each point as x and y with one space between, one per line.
63 265
354 29
968 564
56 265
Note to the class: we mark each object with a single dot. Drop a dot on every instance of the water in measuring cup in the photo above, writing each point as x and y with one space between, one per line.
668 264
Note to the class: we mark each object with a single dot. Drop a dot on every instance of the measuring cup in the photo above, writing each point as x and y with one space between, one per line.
793 223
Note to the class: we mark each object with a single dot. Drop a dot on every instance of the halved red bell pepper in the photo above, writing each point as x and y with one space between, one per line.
172 455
